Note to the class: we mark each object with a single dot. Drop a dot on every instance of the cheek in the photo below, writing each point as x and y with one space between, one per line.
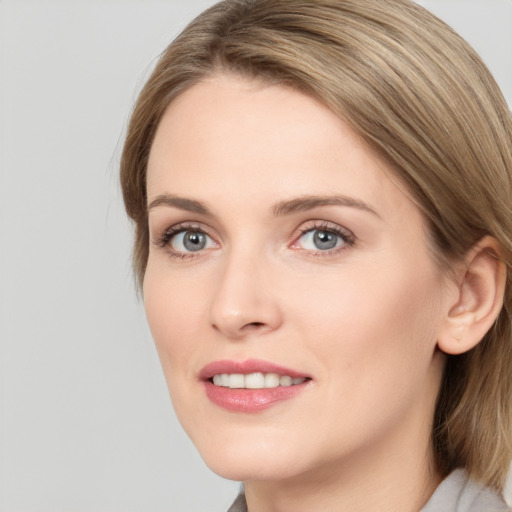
174 309
379 326
374 341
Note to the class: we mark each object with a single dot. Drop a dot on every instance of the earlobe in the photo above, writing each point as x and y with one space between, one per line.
479 298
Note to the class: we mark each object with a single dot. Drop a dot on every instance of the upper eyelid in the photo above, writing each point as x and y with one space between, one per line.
322 224
325 225
183 226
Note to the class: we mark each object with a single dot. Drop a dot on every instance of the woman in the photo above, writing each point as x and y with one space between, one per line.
322 200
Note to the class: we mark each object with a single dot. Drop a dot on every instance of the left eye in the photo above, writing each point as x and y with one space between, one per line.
320 240
191 241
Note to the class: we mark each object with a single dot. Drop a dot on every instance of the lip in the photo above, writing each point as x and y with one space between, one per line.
249 400
247 366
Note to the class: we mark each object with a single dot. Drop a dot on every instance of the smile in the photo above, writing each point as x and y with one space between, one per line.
251 386
257 380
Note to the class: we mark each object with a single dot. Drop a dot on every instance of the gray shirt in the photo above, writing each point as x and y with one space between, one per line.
456 493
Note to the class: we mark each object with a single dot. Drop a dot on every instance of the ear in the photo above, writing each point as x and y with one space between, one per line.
480 287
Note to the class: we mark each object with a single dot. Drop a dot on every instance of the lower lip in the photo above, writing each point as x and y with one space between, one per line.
250 400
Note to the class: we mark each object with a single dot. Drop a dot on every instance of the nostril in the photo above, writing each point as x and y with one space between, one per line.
255 324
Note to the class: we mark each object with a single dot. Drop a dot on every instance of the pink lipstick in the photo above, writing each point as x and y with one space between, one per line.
251 385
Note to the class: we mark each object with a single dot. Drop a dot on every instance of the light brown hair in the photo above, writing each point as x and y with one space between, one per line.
422 98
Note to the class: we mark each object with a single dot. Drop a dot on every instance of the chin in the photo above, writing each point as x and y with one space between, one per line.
244 469
244 458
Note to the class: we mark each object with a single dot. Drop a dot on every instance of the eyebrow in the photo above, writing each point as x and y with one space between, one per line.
305 203
283 208
182 203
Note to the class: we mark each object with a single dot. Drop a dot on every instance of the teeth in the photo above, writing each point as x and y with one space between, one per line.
236 380
271 380
255 380
285 381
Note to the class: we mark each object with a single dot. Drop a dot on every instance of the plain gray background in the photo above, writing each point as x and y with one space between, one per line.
85 421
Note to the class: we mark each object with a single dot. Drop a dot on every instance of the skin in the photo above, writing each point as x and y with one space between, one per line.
362 320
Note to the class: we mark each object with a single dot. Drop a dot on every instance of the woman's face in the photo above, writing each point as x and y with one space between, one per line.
289 288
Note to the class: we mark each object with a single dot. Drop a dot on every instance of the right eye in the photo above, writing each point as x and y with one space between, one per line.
186 241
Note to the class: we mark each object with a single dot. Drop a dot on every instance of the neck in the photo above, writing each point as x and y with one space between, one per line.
391 486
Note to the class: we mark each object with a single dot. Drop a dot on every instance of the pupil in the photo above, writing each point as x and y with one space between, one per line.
325 240
194 241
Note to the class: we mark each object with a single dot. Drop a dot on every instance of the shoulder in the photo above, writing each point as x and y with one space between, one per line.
457 493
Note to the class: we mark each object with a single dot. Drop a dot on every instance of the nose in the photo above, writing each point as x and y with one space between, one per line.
244 301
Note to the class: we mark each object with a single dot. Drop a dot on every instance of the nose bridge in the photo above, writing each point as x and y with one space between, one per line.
243 300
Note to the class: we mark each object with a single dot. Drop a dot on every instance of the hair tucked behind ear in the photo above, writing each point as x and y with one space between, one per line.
420 97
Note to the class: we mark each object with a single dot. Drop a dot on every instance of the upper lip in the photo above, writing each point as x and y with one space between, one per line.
246 367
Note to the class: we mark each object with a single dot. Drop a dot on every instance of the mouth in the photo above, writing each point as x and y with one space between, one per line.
256 380
252 385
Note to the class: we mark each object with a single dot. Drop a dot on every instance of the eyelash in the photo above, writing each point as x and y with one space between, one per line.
344 234
172 231
165 238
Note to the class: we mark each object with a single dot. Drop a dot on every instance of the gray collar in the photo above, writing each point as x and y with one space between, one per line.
456 493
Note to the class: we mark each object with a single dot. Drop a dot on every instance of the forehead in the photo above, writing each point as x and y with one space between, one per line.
230 138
